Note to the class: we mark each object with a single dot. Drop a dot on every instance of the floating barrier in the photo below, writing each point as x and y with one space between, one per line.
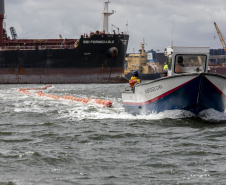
106 103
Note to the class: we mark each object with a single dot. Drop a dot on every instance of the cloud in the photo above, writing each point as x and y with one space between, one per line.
159 22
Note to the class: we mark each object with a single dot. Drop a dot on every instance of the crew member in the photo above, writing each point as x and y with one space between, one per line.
134 79
179 67
165 69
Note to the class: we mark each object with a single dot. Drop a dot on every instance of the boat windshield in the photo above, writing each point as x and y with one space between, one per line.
190 63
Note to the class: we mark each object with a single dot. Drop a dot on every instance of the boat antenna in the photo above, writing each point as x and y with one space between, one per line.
172 31
127 25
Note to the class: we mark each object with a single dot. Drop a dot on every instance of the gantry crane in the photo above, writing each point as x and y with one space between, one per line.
220 36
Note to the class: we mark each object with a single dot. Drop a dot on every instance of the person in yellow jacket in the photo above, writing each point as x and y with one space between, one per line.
134 79
165 69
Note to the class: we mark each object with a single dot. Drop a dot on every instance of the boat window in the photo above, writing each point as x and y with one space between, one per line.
169 59
190 63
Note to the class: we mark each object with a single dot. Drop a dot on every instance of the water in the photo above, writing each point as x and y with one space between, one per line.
47 141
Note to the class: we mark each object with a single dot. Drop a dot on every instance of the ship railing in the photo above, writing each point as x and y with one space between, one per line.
37 47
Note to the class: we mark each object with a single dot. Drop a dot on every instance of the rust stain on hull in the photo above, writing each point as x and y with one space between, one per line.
218 70
61 76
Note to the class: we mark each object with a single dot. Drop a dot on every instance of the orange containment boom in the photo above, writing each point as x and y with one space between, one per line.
106 103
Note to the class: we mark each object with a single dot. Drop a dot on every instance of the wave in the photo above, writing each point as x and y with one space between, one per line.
17 102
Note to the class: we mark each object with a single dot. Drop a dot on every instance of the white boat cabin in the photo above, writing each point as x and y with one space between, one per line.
182 60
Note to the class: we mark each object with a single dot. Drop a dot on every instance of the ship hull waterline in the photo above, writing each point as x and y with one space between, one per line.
61 75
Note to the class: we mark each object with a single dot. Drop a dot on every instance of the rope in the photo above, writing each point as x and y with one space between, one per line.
105 103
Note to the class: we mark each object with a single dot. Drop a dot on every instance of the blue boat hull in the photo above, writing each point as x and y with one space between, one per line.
195 95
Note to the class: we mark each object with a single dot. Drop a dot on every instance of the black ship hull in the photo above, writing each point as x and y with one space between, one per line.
96 59
149 76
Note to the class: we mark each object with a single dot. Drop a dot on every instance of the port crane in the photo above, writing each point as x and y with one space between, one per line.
220 36
13 33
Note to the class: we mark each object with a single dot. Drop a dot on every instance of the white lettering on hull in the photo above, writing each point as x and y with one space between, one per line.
98 41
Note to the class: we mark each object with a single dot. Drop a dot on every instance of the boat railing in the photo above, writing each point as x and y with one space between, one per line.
37 47
127 88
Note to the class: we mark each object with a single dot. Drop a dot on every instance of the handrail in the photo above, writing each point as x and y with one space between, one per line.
37 47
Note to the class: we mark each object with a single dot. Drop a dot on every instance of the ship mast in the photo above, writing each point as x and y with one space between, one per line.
142 46
2 12
106 14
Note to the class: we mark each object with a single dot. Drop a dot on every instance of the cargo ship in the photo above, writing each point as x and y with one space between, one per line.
97 57
146 63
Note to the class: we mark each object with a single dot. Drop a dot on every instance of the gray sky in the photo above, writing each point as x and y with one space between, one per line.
159 22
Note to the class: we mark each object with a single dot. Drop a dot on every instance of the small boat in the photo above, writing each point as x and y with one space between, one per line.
188 86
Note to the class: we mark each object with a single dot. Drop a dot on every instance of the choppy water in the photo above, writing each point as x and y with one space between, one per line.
47 141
